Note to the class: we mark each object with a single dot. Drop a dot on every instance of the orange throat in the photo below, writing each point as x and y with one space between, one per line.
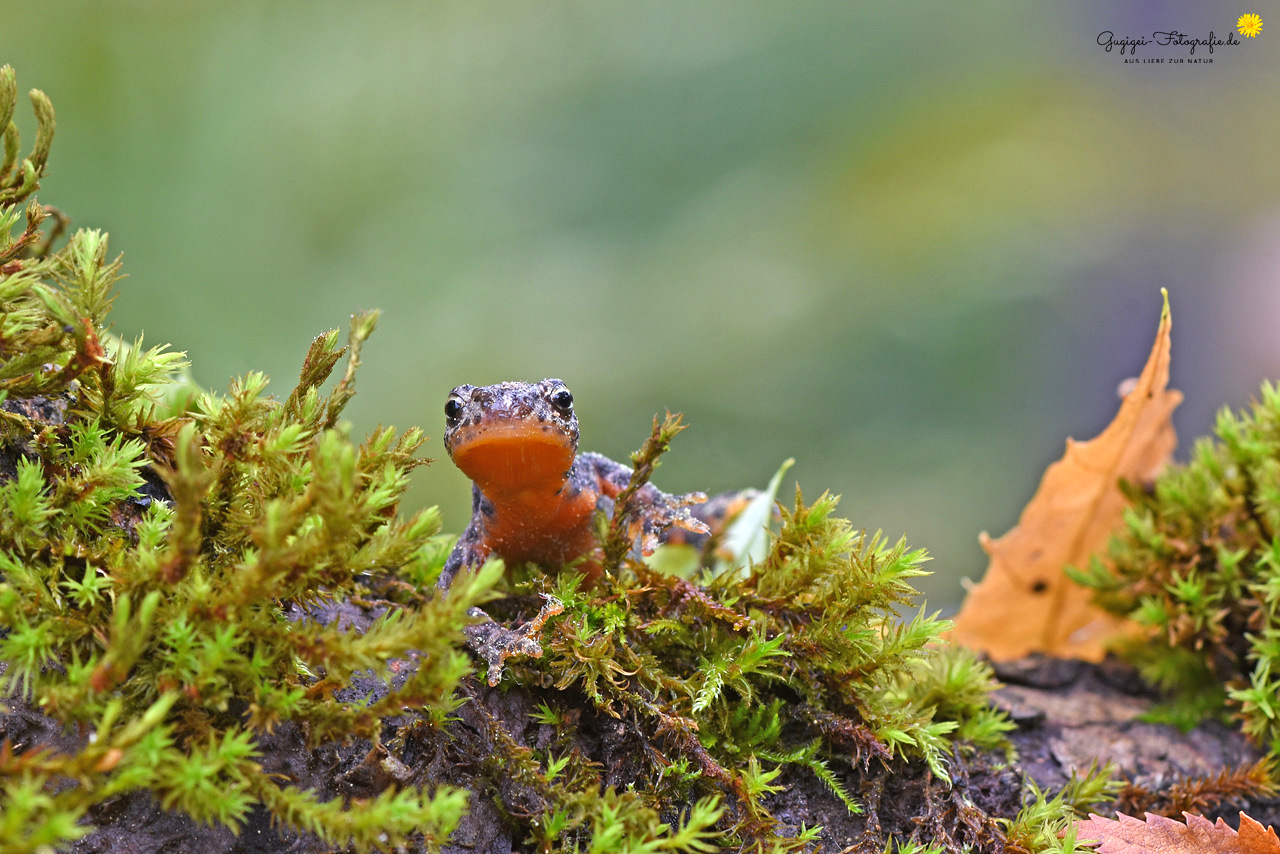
514 461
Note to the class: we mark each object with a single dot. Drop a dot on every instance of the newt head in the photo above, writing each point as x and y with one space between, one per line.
512 437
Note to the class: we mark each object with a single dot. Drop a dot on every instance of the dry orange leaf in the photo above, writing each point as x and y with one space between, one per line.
1025 603
1160 835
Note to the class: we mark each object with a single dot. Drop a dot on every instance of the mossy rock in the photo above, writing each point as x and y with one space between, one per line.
218 632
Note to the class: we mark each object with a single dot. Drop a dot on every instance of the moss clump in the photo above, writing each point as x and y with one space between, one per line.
724 680
1046 825
151 544
1198 564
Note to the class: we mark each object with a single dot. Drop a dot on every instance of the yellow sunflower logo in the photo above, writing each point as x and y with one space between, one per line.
1249 25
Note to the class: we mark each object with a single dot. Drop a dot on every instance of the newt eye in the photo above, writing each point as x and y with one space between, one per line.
453 408
563 400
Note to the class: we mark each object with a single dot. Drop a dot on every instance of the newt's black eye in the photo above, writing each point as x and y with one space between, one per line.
562 399
452 408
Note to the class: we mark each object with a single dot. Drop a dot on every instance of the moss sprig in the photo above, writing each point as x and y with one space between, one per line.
19 179
1244 782
621 532
1046 825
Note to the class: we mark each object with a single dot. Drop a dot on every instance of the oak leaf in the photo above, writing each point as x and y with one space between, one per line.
1160 835
1025 603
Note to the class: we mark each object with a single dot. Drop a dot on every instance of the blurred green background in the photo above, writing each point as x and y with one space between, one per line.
914 247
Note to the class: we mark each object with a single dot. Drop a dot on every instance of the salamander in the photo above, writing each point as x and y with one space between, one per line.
534 496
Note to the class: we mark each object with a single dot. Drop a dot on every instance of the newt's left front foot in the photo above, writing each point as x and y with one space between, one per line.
661 515
496 643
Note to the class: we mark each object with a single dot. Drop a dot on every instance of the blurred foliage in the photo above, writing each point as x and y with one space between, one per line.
900 247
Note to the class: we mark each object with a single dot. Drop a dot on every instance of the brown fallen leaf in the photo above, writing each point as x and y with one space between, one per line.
1025 603
1160 835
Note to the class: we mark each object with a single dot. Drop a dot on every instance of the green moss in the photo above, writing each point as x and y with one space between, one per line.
1046 825
1198 565
150 538
800 660
957 686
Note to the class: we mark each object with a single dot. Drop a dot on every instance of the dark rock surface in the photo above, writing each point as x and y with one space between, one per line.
1072 714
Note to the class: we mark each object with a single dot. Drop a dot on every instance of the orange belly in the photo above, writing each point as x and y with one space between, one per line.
547 529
